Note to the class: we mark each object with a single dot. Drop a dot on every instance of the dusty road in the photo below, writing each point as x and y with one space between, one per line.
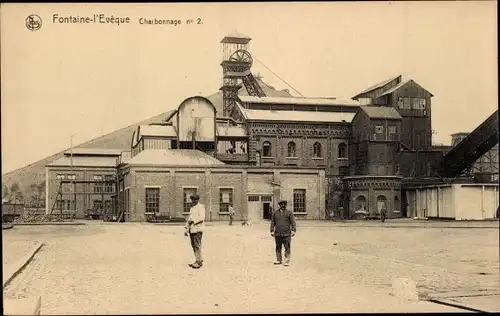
134 268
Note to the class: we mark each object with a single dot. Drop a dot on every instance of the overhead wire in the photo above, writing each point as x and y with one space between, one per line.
283 80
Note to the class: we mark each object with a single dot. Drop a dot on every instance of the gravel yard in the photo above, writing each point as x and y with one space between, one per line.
135 268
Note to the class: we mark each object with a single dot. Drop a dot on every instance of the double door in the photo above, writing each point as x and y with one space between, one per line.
259 207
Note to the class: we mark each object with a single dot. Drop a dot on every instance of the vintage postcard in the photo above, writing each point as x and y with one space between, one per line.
250 157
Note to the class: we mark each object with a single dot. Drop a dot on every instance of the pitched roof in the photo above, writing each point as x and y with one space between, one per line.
296 116
381 112
173 157
297 101
94 151
378 85
85 161
400 85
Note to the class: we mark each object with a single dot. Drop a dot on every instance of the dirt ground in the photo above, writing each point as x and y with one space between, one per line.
138 268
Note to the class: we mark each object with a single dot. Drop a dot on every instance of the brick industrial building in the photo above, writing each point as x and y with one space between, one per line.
327 157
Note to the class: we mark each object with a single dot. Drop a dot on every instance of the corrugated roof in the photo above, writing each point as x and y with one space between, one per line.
378 85
173 157
83 161
95 151
224 129
297 101
383 112
296 116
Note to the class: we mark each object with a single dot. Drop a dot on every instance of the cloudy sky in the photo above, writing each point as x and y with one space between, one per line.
91 79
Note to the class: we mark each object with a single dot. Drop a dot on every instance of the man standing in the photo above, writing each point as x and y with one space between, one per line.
194 228
231 214
283 228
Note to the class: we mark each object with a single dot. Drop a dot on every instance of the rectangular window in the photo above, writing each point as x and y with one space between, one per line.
98 188
97 204
379 129
407 103
266 198
299 201
152 200
187 198
67 187
494 177
60 176
400 102
253 198
422 103
109 186
71 177
392 129
225 199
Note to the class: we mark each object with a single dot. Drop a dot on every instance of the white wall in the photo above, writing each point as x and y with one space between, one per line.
476 202
459 201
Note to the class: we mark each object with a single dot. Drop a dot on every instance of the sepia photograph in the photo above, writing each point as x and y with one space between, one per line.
250 157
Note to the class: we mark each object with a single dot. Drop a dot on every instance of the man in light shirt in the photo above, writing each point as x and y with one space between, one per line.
194 229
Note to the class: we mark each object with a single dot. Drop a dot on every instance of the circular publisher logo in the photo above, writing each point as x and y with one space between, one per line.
33 22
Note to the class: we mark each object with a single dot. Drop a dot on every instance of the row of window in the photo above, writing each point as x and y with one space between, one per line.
411 103
108 187
152 202
292 150
379 129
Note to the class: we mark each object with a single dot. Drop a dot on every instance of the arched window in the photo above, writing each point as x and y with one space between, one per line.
266 149
291 150
342 150
360 204
317 150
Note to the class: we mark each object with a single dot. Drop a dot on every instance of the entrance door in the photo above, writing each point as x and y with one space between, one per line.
254 208
267 210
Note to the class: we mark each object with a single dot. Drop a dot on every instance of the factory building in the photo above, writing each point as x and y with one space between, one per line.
249 148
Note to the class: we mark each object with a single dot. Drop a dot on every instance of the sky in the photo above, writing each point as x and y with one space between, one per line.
86 80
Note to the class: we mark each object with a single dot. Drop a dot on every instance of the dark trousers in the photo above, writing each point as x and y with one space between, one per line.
231 220
283 241
196 244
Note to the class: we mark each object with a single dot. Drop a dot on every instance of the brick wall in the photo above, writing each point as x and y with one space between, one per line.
209 182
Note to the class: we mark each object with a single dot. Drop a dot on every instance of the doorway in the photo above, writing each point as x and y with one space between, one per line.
267 210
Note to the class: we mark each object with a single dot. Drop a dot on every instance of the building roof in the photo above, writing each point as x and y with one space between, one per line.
400 85
378 85
381 112
85 161
173 157
297 101
296 116
225 129
94 152
167 131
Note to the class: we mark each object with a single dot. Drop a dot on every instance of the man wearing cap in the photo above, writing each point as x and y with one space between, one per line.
283 229
194 228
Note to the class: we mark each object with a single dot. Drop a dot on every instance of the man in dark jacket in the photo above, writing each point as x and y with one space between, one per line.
283 229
